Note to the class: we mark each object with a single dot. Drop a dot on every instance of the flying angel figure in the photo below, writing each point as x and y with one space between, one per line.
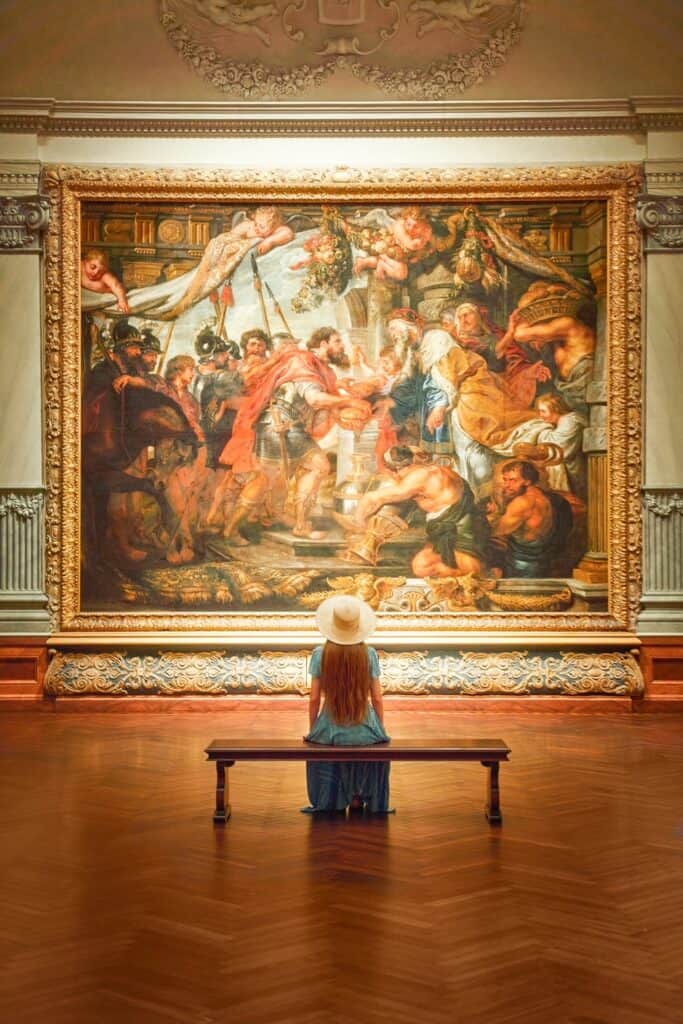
389 245
458 16
239 16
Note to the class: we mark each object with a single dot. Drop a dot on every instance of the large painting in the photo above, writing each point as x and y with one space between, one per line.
416 395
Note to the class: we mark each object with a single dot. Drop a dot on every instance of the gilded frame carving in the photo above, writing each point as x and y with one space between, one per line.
67 187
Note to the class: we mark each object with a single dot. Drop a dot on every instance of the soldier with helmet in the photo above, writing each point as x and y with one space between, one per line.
218 387
120 364
151 351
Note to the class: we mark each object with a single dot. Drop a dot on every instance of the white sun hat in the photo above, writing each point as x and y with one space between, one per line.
345 620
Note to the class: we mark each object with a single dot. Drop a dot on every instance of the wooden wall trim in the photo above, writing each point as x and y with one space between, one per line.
23 664
661 662
261 703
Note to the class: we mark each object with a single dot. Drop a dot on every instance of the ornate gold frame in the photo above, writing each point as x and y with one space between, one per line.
67 187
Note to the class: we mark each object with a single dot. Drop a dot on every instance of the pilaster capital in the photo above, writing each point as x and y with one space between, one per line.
24 505
661 221
23 219
663 502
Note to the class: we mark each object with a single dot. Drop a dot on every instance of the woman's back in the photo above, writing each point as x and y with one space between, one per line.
347 718
345 676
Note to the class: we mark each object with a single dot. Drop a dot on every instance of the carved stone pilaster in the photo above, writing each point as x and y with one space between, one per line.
663 560
23 219
661 220
23 602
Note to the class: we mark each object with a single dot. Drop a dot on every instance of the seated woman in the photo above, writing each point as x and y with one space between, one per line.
346 672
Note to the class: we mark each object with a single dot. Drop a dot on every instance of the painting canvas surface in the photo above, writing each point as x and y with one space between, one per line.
284 401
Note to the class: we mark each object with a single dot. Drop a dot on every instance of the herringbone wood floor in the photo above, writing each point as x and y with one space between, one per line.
120 901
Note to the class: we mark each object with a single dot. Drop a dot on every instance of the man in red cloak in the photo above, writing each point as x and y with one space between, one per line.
286 411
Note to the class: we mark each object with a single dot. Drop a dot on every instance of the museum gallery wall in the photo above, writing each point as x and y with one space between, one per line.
422 389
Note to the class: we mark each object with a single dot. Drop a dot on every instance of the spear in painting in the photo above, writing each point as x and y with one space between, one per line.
227 300
278 308
259 289
167 345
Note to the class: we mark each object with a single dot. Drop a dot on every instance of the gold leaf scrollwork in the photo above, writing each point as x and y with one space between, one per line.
214 673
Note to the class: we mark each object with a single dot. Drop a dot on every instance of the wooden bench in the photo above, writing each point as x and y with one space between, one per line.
489 752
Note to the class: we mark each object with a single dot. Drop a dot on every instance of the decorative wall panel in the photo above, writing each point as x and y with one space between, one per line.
121 673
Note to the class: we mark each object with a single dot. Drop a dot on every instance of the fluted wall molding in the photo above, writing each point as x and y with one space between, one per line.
23 602
663 547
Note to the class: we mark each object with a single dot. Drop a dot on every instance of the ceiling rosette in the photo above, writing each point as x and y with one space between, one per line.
413 49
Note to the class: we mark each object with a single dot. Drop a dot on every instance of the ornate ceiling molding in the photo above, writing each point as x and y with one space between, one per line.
49 117
661 220
423 49
23 219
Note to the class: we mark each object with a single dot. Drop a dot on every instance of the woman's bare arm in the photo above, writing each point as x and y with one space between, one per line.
376 699
313 701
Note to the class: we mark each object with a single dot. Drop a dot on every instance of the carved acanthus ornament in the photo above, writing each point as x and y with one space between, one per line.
25 506
23 219
663 503
661 219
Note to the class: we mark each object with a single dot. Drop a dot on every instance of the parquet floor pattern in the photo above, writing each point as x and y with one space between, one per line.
121 902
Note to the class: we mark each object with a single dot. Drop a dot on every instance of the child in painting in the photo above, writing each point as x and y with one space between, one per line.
345 671
97 277
391 251
226 251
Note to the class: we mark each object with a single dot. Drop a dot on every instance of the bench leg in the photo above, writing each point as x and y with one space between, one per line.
222 812
492 809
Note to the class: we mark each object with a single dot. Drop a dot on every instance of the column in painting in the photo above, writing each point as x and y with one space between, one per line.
591 574
23 218
660 215
355 456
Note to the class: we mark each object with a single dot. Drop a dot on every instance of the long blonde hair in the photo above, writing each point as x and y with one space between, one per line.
345 681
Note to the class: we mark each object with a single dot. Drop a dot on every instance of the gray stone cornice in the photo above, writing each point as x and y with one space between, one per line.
19 177
661 220
23 219
664 177
44 116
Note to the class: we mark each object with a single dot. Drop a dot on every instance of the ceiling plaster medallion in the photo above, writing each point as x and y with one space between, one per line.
416 49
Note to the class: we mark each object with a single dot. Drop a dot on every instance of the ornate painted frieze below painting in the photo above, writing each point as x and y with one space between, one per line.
421 388
425 49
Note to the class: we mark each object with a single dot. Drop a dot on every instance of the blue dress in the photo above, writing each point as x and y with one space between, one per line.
333 784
